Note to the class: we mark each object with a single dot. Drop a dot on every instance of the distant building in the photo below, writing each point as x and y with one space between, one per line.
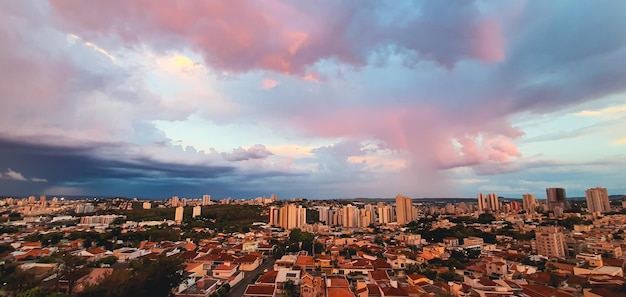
147 205
494 204
206 199
404 209
556 198
481 203
529 203
174 201
178 217
550 241
197 210
597 200
288 217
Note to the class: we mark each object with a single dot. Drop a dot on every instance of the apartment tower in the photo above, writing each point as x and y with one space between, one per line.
597 200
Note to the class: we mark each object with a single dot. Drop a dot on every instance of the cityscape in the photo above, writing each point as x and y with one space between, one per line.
277 148
486 246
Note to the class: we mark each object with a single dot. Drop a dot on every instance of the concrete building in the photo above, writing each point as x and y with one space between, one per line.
556 198
597 200
493 203
404 209
529 203
206 200
482 205
178 217
197 210
550 241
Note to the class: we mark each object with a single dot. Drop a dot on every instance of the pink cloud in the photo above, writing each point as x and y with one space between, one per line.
238 35
269 83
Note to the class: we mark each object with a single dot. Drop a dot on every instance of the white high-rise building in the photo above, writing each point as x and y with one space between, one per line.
206 200
197 210
178 217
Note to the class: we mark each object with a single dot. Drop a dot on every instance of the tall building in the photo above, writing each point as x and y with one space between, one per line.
597 200
556 198
274 216
147 205
350 216
42 200
178 217
197 210
385 214
529 203
404 209
482 204
206 199
494 204
289 216
174 202
550 241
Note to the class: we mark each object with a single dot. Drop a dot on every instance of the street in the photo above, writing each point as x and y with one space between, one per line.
240 288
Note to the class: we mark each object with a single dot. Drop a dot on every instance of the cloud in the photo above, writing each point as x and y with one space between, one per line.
39 180
290 37
257 151
270 83
12 175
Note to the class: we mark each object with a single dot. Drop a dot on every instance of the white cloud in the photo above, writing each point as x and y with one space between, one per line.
13 175
39 180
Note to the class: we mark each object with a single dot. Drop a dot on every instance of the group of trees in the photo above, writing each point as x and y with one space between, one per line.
298 241
145 278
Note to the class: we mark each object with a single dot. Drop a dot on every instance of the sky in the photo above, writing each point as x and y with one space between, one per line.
316 99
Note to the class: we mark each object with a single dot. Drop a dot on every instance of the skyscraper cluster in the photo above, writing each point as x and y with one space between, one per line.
489 203
288 217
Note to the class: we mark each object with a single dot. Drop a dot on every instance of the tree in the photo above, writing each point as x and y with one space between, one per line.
69 268
289 289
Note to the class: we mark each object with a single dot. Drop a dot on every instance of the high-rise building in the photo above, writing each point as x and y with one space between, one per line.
147 205
206 199
197 210
350 216
556 198
274 216
178 217
529 203
404 209
482 204
274 197
385 214
494 204
598 200
174 202
289 216
550 241
42 201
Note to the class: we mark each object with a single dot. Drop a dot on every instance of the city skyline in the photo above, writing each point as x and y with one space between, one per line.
340 99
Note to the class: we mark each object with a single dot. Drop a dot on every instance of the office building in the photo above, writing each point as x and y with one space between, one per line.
597 200
529 203
178 217
556 198
404 209
550 241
